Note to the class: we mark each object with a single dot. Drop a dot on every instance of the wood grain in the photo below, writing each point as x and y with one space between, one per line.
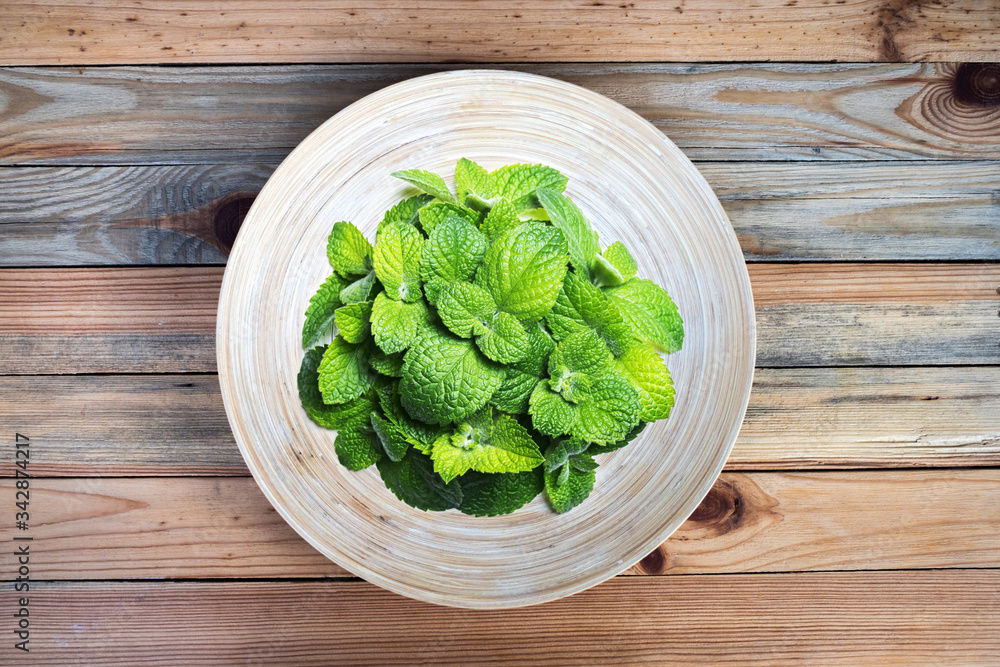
123 215
179 214
121 320
749 522
42 32
850 619
115 425
765 112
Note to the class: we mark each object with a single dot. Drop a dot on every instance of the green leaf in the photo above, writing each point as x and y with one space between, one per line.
395 324
583 352
320 314
580 236
406 211
610 412
348 250
390 437
501 218
414 481
618 256
579 306
462 307
427 181
650 312
561 451
518 182
550 414
524 269
573 489
353 321
397 261
390 365
451 254
344 415
415 432
356 450
595 449
506 447
446 379
499 493
360 290
437 212
471 178
344 373
602 273
523 376
645 369
503 339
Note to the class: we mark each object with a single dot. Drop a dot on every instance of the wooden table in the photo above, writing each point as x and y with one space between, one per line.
858 519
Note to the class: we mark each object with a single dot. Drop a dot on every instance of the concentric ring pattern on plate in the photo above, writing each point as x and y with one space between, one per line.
634 185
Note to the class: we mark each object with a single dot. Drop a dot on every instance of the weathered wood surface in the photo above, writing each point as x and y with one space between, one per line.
189 214
42 32
164 115
119 320
870 618
114 425
191 527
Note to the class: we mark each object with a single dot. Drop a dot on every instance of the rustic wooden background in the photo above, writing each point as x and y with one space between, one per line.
855 145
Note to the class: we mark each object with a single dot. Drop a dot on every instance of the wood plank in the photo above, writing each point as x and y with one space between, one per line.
117 425
188 214
190 527
872 618
113 425
164 115
43 32
116 320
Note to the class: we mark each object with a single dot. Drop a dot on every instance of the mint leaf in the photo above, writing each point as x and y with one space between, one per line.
427 181
645 369
518 182
521 378
446 379
470 178
417 433
550 414
344 415
390 437
320 314
405 212
610 412
651 313
524 269
580 236
580 305
348 250
414 481
583 352
397 261
390 365
500 446
499 493
621 265
353 321
567 490
344 373
594 449
561 451
451 254
356 450
462 307
360 290
502 338
501 218
395 324
434 214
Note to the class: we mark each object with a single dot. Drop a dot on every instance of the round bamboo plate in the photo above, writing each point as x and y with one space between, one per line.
635 185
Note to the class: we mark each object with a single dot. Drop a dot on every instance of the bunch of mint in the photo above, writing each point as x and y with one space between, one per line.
471 364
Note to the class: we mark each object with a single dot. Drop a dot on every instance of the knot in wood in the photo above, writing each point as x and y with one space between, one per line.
721 503
229 216
978 84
